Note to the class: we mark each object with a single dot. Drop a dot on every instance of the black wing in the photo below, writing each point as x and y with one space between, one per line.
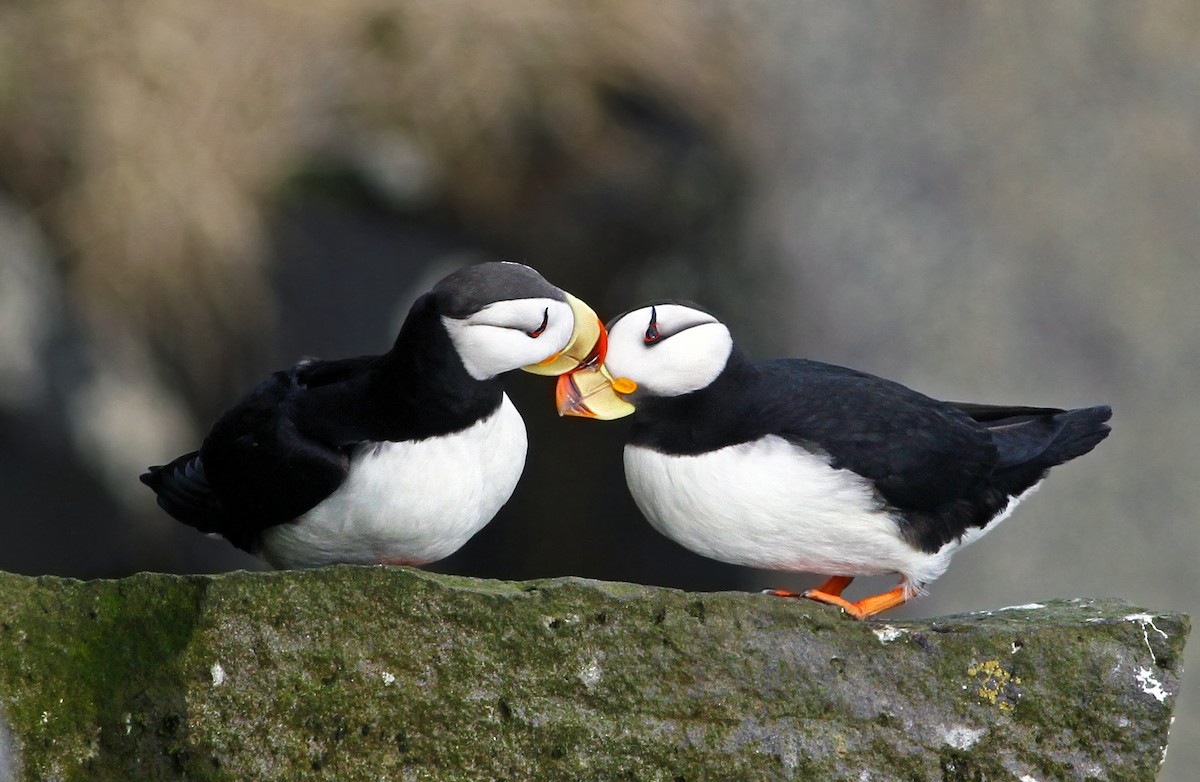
947 466
272 457
182 490
921 453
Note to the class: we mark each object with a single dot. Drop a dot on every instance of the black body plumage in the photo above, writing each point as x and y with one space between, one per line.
286 446
941 467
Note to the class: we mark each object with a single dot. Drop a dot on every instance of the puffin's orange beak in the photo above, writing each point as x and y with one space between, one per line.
592 392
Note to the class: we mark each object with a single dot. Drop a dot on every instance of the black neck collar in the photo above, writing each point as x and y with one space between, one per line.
703 420
423 380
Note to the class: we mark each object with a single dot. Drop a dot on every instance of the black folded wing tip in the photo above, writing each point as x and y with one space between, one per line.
182 490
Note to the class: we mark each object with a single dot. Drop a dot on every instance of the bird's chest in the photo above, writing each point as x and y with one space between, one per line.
765 503
410 502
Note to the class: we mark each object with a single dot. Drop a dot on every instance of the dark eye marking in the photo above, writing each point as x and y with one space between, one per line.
652 333
545 321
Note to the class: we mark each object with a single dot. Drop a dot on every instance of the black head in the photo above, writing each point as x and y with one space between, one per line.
470 289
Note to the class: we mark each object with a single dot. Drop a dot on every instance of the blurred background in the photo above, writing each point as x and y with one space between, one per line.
986 202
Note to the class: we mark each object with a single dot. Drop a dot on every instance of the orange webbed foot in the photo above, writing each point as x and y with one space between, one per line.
831 593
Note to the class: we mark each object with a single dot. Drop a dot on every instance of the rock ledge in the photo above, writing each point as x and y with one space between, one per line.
390 673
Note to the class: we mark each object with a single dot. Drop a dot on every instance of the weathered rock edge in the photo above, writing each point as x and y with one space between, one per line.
391 673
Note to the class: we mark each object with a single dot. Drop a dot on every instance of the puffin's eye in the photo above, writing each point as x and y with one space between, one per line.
545 320
652 334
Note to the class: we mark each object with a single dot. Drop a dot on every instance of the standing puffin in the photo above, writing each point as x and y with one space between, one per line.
398 458
798 465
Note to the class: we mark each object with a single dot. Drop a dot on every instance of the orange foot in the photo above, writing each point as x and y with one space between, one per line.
831 592
397 562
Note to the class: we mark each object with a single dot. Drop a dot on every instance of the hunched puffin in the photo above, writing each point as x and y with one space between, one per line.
798 465
398 458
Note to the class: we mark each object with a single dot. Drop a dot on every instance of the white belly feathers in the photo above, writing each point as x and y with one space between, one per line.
409 502
770 504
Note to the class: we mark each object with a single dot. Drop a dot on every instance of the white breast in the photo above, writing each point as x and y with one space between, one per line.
409 502
770 504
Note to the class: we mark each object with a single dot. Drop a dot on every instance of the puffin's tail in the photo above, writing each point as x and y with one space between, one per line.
1031 440
183 491
1082 430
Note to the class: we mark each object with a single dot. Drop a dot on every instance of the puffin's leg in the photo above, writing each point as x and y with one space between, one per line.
869 606
830 593
831 588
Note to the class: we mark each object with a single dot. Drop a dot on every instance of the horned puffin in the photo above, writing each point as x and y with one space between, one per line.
398 458
794 464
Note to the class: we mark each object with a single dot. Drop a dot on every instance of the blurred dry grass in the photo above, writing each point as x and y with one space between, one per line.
151 136
152 140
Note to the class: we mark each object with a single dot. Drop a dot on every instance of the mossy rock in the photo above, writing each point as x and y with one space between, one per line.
395 674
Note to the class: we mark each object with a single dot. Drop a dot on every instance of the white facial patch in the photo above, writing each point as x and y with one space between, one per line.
689 352
497 338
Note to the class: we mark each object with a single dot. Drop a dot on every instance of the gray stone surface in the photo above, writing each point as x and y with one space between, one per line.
381 673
